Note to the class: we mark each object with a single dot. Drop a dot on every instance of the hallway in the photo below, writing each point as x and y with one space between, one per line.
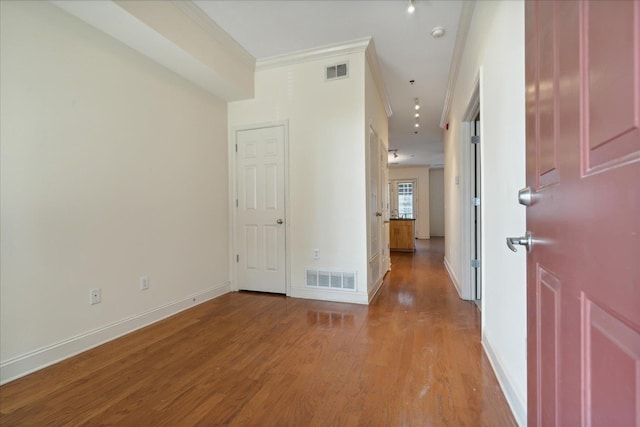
412 358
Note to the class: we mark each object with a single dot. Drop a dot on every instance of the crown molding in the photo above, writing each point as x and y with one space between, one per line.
365 45
345 48
458 51
372 60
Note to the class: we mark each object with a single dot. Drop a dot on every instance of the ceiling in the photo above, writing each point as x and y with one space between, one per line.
404 46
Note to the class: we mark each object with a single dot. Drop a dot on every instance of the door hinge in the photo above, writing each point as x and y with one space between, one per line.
236 148
237 258
236 203
475 263
475 139
475 201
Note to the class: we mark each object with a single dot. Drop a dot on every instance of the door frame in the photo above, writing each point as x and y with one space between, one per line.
233 191
468 285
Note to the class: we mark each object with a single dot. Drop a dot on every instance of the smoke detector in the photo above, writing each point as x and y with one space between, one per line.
437 32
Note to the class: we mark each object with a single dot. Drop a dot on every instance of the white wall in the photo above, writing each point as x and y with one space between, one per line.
495 50
112 168
327 176
421 173
436 201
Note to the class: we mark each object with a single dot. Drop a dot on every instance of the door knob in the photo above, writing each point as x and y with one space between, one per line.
378 213
525 196
525 241
279 221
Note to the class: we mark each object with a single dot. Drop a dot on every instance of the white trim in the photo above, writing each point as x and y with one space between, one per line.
453 276
46 356
458 51
345 48
374 66
329 295
231 159
233 187
376 288
516 403
473 105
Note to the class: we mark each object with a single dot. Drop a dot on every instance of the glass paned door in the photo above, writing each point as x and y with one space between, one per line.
405 199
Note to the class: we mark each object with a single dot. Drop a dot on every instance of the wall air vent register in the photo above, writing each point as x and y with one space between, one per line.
331 279
337 71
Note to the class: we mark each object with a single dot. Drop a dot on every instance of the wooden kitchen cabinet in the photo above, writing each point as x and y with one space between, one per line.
402 235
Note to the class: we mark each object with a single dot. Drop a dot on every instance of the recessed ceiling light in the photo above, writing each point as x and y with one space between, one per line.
411 7
417 125
437 32
417 115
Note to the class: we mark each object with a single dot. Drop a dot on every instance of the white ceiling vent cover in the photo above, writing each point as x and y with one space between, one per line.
331 279
337 71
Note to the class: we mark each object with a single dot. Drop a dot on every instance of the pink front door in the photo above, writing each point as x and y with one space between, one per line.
583 165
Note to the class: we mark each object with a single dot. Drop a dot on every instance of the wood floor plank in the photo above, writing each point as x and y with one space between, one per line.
412 357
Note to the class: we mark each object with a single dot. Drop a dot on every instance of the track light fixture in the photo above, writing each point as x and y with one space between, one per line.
417 114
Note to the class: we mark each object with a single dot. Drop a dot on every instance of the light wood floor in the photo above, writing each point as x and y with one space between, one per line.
412 358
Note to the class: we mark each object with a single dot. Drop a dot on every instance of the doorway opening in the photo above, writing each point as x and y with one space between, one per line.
476 217
471 200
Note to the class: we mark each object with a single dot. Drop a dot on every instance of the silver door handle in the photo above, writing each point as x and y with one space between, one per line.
378 213
525 196
525 241
280 221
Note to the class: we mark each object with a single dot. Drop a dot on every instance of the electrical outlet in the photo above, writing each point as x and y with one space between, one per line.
95 296
144 283
316 254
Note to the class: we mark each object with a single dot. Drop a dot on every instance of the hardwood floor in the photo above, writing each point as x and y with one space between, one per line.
411 358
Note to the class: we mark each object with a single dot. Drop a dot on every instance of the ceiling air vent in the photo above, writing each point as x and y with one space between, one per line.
338 71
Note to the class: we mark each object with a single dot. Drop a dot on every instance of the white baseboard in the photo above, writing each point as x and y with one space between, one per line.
376 288
517 405
330 295
41 358
453 277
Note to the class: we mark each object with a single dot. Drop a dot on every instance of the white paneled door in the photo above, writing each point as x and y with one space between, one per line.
378 243
260 212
